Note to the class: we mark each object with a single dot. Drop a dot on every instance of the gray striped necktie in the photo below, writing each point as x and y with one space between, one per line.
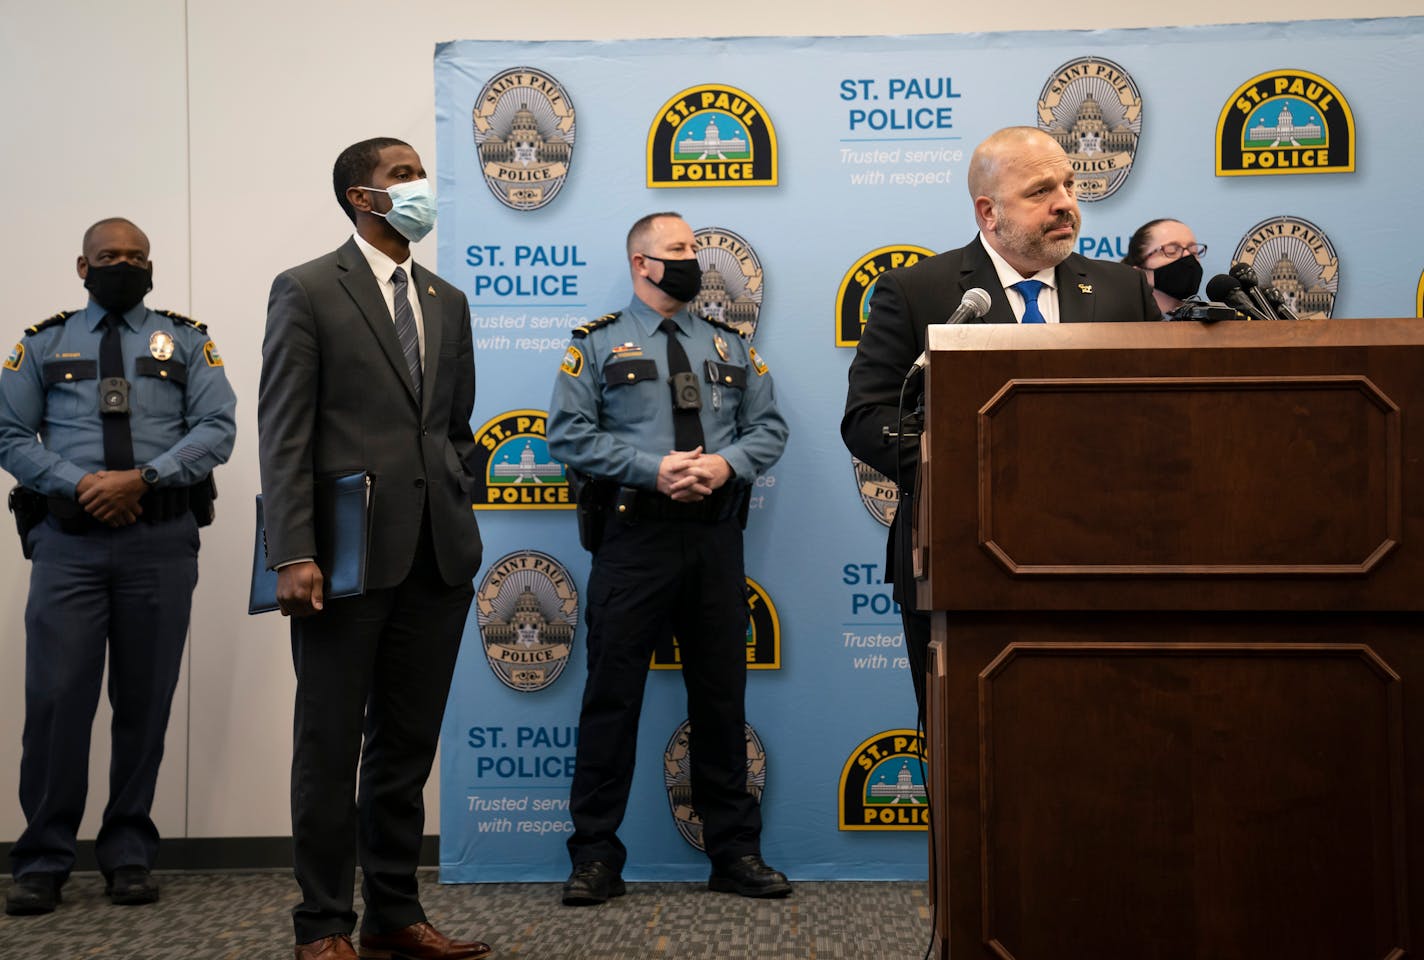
405 328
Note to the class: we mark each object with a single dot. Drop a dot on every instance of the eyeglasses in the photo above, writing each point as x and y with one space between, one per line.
1175 250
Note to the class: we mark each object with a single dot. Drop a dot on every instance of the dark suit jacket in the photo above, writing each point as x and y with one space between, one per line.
336 396
906 301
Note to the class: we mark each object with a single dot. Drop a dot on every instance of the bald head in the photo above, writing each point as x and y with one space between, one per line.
113 229
1003 149
1022 185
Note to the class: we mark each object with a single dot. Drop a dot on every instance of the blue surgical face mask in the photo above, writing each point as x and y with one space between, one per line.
412 212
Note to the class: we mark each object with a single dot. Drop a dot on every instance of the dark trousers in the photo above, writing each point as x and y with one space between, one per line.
915 622
127 592
649 579
373 673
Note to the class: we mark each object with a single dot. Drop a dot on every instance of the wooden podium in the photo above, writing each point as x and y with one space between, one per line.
1176 691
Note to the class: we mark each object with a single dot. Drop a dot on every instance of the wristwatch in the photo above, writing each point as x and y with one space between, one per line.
148 473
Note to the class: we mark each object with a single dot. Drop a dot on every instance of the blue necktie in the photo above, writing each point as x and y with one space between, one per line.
1029 290
405 329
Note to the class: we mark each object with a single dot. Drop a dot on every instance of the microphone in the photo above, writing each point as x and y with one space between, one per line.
974 305
1246 274
1226 289
1278 302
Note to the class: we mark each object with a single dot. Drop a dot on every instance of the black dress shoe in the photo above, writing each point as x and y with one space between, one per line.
750 877
592 882
34 893
131 887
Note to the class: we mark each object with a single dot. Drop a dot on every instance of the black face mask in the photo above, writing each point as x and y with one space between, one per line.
119 287
682 279
1180 278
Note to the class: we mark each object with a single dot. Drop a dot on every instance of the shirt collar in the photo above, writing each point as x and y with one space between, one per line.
381 265
94 315
649 320
1008 276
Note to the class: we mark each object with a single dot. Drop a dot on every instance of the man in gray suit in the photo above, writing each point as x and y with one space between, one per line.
367 365
1022 185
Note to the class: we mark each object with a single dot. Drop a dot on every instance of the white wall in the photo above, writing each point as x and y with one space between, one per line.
213 125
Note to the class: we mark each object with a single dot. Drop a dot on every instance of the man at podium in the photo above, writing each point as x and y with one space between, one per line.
1022 185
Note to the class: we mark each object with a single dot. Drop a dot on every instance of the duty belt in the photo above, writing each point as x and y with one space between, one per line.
159 505
632 505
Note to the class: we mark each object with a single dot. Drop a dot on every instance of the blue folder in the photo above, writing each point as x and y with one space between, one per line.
342 515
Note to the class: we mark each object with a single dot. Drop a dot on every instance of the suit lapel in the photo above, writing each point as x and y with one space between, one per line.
360 284
977 270
433 318
1076 298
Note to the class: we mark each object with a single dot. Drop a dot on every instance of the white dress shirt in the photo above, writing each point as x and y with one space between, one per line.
1047 297
383 266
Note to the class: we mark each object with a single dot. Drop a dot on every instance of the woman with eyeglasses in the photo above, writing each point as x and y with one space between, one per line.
1168 253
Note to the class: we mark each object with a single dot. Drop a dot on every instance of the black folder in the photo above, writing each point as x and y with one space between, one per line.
342 515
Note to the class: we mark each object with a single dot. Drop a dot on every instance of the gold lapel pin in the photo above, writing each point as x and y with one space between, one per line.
1085 288
430 289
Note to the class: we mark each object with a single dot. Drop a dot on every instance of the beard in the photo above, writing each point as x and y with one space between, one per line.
1032 244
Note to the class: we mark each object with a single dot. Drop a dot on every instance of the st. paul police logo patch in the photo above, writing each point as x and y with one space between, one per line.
524 132
1295 257
763 636
883 784
1092 107
677 777
877 491
527 610
731 279
513 469
853 297
712 135
1285 121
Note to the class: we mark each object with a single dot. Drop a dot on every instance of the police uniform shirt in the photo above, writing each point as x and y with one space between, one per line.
1008 276
181 407
611 415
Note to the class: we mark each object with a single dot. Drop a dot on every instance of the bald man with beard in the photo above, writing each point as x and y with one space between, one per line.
1022 184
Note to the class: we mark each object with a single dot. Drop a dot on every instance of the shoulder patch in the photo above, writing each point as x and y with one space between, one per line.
758 364
178 317
573 361
16 357
582 331
724 325
48 322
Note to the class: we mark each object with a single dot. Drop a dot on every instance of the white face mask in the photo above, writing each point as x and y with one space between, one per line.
412 210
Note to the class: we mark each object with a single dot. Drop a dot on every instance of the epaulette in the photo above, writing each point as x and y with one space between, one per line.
726 326
53 321
579 332
200 327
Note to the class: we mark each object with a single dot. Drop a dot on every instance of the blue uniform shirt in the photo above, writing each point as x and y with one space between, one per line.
611 414
180 409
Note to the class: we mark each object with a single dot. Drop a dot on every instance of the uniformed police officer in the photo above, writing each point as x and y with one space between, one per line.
667 418
112 418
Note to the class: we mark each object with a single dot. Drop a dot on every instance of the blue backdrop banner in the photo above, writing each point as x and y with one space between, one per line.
808 166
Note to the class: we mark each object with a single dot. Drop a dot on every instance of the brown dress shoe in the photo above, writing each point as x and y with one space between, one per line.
420 941
336 947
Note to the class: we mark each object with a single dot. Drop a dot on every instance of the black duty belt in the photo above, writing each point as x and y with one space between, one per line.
160 505
633 505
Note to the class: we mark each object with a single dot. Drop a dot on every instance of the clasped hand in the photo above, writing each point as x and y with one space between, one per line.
111 496
689 476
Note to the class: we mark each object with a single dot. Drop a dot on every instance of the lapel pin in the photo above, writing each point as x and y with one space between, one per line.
430 290
1085 288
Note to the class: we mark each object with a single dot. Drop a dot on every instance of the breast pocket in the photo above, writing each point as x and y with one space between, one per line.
159 387
71 388
631 390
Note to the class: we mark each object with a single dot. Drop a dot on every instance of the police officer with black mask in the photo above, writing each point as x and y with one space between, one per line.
112 419
668 418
